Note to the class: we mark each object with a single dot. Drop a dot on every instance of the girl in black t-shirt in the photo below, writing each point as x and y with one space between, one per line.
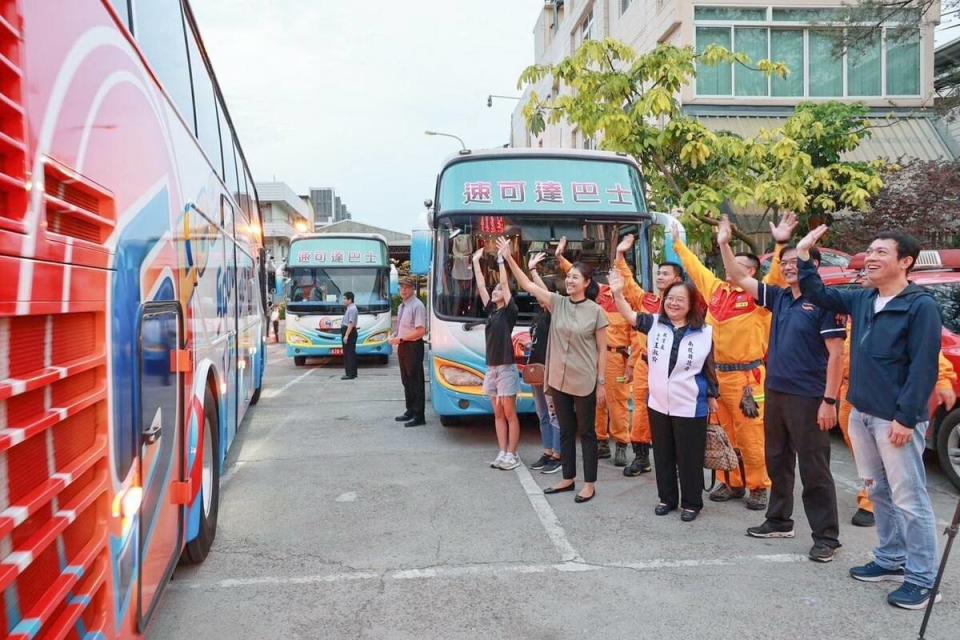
549 462
501 381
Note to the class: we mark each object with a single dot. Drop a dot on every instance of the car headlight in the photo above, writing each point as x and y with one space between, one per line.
296 338
377 337
459 377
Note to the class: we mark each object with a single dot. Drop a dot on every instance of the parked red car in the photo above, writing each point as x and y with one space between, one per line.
939 273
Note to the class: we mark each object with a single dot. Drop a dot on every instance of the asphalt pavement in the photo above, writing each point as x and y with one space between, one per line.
337 522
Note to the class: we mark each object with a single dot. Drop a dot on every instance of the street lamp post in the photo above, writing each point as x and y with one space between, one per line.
447 135
494 95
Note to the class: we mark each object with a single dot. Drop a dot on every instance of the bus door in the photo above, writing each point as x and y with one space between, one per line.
160 449
231 373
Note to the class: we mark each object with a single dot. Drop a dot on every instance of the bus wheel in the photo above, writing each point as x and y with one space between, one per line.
449 421
197 549
948 447
255 398
385 359
299 360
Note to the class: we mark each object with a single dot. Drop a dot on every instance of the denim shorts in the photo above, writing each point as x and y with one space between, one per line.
501 380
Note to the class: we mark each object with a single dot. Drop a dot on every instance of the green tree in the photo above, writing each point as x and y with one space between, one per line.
630 102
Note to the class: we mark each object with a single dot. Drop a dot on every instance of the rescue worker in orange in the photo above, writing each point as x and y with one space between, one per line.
619 335
667 274
741 330
945 394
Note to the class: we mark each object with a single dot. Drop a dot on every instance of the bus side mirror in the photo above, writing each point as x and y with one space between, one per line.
421 252
667 221
394 282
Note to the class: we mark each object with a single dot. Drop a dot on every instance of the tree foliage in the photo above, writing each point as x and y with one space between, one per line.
630 103
920 198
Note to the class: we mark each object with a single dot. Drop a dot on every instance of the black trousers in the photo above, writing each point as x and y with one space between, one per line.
349 352
678 449
577 417
276 331
792 435
410 355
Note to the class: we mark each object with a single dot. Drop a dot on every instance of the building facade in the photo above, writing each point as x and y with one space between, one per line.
328 205
892 71
284 215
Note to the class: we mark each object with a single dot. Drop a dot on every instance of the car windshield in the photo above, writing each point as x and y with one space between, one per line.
455 289
321 289
947 295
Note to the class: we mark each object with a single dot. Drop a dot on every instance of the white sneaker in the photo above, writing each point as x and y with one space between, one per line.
495 463
509 462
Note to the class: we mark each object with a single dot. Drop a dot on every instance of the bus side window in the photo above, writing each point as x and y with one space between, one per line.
160 32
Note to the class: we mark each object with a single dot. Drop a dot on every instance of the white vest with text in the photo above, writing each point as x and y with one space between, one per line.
682 393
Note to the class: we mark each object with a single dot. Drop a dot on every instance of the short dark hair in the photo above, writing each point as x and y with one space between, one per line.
585 270
677 268
814 252
697 312
907 245
348 296
754 260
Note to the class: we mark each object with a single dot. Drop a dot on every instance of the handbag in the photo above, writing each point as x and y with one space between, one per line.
719 453
533 374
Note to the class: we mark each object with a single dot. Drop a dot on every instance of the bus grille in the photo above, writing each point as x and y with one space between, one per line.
13 150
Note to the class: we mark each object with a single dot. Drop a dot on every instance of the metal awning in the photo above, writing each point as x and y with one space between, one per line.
893 139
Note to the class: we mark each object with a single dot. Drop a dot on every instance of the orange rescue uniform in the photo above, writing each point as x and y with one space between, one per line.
642 302
619 334
741 330
946 378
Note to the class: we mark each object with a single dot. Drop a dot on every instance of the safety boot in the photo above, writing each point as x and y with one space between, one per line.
620 457
756 500
641 461
603 449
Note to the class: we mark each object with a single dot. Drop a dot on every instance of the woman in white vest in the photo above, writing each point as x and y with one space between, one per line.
683 391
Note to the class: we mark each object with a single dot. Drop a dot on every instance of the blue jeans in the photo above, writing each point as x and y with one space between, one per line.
897 483
549 427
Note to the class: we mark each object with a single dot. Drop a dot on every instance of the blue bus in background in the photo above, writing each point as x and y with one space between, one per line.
533 197
320 269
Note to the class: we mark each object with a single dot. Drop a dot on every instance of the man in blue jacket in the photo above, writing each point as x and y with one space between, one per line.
893 369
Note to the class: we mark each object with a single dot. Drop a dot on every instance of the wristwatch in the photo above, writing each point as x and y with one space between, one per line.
601 381
830 401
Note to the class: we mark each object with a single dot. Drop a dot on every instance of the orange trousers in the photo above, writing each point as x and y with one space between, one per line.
744 433
640 433
863 500
618 393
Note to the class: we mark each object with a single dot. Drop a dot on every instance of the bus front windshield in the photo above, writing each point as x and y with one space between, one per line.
455 291
321 289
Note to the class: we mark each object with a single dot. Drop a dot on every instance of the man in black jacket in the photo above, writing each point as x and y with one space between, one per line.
895 346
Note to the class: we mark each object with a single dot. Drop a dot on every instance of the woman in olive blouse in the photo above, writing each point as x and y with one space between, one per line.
576 361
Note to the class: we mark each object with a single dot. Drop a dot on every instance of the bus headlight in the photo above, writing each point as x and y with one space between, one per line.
377 337
458 376
296 338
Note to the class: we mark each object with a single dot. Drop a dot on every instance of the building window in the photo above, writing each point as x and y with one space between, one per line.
624 5
903 62
584 31
880 63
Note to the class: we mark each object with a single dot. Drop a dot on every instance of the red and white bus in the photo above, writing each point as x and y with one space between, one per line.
132 306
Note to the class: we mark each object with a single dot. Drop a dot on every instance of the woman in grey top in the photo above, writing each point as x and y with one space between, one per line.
576 360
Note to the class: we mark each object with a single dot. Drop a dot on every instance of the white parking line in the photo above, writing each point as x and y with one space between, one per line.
548 518
493 569
273 393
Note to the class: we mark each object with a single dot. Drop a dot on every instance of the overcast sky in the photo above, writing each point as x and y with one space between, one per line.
338 93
